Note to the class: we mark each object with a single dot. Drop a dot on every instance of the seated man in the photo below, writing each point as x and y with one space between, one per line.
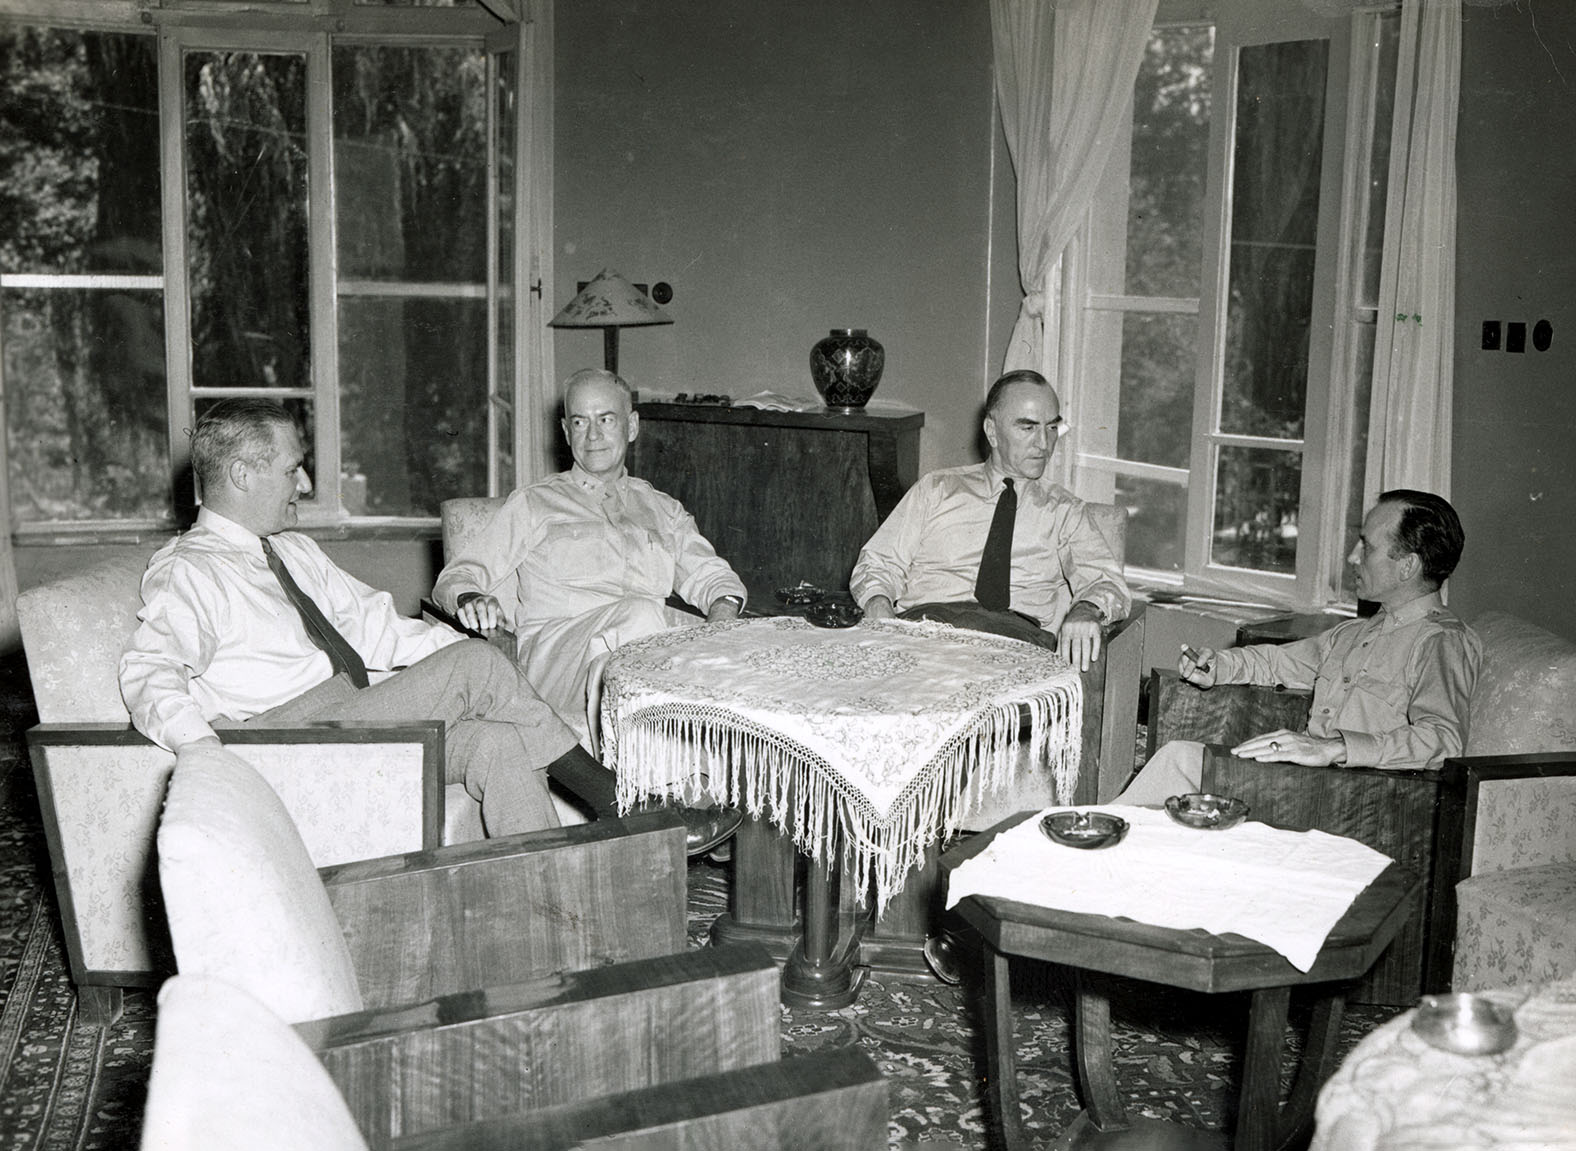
581 562
996 546
1388 691
246 621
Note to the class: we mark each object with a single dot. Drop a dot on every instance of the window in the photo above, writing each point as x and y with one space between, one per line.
1225 309
335 218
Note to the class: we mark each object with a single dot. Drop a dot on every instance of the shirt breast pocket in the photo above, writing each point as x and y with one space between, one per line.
579 550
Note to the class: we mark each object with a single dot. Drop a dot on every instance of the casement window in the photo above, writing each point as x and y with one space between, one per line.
326 203
1221 304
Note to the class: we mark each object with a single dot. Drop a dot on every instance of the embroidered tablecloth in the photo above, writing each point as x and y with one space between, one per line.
1394 1092
885 732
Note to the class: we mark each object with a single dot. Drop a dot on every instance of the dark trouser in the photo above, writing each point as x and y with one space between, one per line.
498 734
1010 624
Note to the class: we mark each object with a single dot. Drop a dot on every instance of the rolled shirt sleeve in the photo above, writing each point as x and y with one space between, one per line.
1396 687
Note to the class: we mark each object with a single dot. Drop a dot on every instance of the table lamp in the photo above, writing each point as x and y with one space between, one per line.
609 302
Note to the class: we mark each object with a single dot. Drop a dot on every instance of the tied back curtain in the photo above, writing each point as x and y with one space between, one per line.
1410 418
1064 81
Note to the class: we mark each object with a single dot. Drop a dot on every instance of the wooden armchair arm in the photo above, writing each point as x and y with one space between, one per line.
555 1040
514 908
1225 714
833 1101
1110 724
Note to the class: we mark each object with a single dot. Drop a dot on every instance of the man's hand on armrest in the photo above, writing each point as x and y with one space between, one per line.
879 607
1078 639
478 611
1284 746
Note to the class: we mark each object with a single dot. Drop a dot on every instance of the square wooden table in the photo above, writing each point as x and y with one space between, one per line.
1194 960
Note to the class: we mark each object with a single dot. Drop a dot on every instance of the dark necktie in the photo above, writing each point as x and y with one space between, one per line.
325 635
992 588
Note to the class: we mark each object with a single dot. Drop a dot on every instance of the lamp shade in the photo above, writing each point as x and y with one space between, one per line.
609 301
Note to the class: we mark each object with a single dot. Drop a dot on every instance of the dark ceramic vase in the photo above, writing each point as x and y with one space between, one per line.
846 367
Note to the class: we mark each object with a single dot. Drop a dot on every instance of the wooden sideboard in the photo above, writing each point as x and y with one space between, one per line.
782 496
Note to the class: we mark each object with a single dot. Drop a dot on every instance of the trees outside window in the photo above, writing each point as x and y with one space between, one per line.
1227 283
320 226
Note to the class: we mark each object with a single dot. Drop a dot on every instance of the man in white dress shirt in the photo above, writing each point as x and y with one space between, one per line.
224 637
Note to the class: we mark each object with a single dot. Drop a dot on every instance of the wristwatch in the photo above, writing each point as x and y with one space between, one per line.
737 601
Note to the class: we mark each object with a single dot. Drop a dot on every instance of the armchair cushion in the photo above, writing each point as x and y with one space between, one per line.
243 898
1523 698
1515 927
228 1073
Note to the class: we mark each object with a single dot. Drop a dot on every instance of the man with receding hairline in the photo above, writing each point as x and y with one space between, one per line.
1059 581
245 621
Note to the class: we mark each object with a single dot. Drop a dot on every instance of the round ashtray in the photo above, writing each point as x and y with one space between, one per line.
1465 1024
1086 829
1206 812
833 614
800 593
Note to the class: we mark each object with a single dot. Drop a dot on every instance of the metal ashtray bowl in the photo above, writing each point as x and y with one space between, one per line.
1464 1023
831 613
800 593
1206 812
1087 829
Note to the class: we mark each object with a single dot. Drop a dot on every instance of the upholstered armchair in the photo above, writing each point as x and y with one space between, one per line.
467 982
354 790
1486 822
228 1072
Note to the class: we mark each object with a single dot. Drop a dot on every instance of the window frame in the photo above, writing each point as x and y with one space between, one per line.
519 398
1093 303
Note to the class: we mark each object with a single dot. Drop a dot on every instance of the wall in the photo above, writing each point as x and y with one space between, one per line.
1515 415
788 169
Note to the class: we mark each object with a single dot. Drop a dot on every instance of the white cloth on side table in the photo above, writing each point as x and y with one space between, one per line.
1285 889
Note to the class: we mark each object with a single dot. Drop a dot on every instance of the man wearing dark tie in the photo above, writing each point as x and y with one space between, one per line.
997 546
246 621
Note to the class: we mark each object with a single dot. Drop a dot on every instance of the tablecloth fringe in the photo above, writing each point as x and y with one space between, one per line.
757 770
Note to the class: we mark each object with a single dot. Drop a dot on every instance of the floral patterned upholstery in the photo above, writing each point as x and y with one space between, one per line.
1516 905
100 787
1525 686
1516 927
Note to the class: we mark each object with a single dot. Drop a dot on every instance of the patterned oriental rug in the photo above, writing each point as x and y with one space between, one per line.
65 1087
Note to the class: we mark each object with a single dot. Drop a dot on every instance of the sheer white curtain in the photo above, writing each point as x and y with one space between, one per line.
1410 418
1064 81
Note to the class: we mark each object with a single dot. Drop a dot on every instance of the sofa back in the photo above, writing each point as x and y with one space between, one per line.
1525 700
73 630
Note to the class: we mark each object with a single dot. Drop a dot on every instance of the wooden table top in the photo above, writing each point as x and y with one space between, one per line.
1194 959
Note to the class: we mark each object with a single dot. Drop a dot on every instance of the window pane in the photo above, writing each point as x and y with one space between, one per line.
410 154
1155 417
1157 515
1171 102
504 104
1257 495
79 194
1274 228
79 152
85 409
410 148
413 401
246 186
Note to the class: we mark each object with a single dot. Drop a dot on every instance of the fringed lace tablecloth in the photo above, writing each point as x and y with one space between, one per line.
875 730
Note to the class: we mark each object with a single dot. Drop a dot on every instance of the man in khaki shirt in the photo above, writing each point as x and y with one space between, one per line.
1389 691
